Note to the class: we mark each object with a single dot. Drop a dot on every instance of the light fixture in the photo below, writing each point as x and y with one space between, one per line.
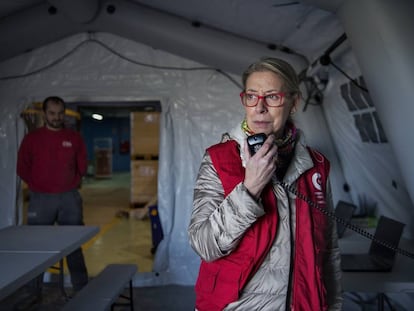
97 116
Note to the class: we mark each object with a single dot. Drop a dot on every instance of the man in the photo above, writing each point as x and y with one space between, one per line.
52 161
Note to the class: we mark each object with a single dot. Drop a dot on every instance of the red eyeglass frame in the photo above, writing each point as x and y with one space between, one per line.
259 97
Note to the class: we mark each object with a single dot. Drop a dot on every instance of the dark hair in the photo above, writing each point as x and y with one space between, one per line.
278 66
53 99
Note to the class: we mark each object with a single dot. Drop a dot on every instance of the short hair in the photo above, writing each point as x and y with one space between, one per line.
53 99
278 66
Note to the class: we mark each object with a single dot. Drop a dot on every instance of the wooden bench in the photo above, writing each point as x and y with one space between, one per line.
102 292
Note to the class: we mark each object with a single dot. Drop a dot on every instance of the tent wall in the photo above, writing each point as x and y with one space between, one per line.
387 63
204 103
197 107
380 33
366 155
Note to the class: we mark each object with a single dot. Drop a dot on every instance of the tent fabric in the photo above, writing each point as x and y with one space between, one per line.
367 159
197 107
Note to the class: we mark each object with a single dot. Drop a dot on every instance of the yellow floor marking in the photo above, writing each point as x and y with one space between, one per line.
101 232
105 228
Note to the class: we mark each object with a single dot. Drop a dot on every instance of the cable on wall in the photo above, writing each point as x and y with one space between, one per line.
66 55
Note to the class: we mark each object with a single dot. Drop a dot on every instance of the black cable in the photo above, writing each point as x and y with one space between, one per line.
334 45
346 75
60 59
342 221
52 64
166 67
325 60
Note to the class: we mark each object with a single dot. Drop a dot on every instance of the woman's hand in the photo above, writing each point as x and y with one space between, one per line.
260 167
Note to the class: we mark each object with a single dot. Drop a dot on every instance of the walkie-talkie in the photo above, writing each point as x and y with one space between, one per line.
255 142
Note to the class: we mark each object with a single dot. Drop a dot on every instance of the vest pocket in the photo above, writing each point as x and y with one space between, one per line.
221 283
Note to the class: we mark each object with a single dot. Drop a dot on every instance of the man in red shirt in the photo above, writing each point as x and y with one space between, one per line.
52 160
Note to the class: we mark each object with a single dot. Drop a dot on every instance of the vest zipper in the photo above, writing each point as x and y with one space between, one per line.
289 294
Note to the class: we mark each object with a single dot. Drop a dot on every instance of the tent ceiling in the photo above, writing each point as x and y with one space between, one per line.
284 23
298 26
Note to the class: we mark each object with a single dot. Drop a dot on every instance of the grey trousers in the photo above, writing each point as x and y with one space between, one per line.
62 209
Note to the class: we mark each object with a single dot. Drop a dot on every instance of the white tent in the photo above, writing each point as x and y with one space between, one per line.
116 58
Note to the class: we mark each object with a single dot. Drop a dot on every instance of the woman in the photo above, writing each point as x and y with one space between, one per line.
262 247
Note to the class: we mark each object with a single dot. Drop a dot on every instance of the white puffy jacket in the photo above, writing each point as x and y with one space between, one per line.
218 223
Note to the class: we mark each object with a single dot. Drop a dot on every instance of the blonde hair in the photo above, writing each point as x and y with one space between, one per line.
278 66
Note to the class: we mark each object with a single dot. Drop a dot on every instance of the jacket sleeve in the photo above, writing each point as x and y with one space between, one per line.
218 223
81 157
332 269
24 160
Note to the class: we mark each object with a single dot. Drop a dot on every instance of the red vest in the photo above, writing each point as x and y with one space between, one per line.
221 281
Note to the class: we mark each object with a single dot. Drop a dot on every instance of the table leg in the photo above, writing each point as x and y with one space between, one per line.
62 279
380 302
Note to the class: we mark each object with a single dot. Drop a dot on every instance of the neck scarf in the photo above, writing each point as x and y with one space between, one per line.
285 146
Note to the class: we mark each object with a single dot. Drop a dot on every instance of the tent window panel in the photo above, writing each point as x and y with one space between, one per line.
365 95
357 97
359 123
347 98
365 116
381 133
370 128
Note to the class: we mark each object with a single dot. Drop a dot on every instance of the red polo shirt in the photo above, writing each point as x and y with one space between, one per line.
52 161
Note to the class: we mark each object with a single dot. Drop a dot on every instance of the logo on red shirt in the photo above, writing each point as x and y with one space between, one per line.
67 144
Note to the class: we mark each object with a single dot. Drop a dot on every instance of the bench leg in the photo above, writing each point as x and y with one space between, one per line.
130 298
382 299
131 295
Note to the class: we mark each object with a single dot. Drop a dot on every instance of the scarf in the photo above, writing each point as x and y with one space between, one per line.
285 146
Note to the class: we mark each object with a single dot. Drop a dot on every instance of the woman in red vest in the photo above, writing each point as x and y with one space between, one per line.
263 247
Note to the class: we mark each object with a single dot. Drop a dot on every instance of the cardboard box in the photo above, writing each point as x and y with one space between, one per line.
145 132
103 163
144 179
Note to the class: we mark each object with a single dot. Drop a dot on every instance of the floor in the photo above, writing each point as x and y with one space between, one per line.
161 298
127 240
121 239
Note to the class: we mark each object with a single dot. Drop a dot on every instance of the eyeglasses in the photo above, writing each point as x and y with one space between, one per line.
270 100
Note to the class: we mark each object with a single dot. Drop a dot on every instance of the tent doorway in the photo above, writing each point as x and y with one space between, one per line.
121 181
116 189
